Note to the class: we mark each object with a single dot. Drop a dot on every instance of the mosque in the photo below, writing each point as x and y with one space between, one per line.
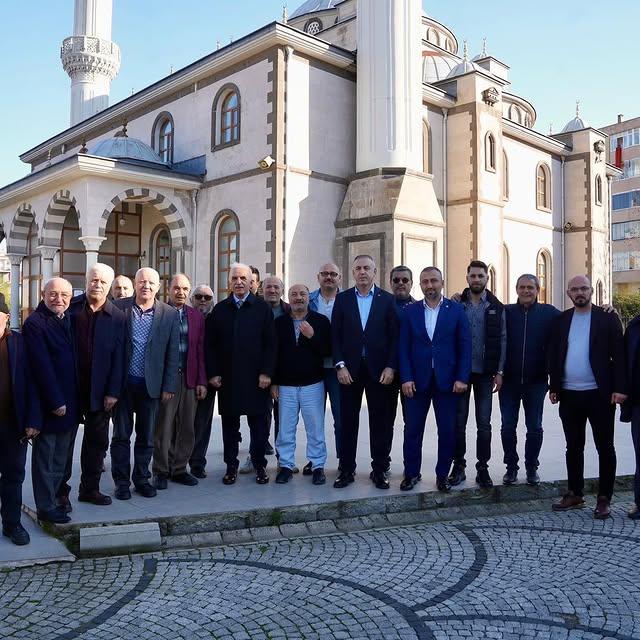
348 127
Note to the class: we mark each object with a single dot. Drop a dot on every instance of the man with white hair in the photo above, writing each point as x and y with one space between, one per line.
240 356
48 338
99 330
151 365
122 287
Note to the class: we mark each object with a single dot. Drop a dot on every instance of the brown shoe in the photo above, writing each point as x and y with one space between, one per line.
603 508
94 497
569 501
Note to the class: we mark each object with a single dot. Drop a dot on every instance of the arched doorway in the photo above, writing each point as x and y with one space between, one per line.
72 256
161 259
122 248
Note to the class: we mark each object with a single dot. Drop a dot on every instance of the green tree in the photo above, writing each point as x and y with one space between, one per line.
627 306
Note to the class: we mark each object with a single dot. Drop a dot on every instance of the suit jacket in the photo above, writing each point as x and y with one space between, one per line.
379 337
161 358
241 345
51 351
108 374
447 357
196 373
26 401
606 351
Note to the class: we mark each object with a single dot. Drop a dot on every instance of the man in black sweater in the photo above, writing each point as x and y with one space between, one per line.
303 340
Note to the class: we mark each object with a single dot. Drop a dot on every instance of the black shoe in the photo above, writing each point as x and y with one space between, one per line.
268 449
64 503
307 470
457 475
94 497
408 483
284 475
160 482
634 512
443 484
231 476
386 473
262 477
147 490
380 480
123 493
344 479
184 478
318 476
483 479
511 477
17 534
198 473
533 478
56 516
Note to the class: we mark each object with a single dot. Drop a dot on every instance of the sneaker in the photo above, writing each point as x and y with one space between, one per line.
284 475
568 501
246 466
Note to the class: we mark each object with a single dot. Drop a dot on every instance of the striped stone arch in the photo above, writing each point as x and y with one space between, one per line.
168 210
54 218
19 232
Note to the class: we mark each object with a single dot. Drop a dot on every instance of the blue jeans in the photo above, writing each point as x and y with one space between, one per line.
310 401
482 385
532 397
332 389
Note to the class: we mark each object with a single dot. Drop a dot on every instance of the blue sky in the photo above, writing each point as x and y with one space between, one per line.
559 52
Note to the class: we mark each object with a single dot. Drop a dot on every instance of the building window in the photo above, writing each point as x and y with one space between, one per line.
73 260
226 239
31 274
630 138
122 248
225 126
489 152
598 190
626 261
492 280
505 176
313 26
162 260
544 277
505 270
426 148
625 200
543 187
162 136
625 230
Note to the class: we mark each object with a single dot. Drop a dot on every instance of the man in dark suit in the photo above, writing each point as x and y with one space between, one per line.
364 334
20 419
240 359
50 348
588 378
435 366
151 362
99 330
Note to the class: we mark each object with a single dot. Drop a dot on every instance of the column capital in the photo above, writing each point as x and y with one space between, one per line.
48 253
92 243
16 259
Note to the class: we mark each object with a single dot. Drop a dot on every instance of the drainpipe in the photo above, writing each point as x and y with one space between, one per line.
194 218
562 233
445 190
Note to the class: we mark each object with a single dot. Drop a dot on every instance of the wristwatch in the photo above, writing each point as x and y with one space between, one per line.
340 366
499 373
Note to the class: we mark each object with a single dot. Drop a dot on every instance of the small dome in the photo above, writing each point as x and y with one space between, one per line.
311 6
436 66
577 123
465 66
122 147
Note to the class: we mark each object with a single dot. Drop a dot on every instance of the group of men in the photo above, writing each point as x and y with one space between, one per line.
154 369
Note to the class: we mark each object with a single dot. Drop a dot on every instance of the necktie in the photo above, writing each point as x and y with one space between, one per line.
239 303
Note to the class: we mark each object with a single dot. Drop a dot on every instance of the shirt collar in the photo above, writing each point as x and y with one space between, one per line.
369 295
426 306
236 299
137 308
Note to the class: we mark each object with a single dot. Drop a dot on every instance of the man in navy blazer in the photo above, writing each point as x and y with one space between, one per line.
434 351
151 365
364 334
20 419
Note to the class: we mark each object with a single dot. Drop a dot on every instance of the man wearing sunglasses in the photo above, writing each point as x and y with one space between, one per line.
20 420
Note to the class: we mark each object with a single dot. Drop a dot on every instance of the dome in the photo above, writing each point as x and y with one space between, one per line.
436 66
465 66
311 6
122 147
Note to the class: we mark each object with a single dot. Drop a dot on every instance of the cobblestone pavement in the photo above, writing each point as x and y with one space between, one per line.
532 575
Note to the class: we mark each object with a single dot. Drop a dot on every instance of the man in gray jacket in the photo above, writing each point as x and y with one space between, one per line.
152 361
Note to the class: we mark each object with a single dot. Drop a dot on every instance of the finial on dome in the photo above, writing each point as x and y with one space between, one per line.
217 45
285 14
550 128
83 148
577 108
484 47
465 52
123 132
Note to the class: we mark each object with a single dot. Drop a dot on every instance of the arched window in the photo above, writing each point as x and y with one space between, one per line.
505 176
226 240
599 293
73 260
162 136
162 260
427 165
225 123
31 273
598 190
313 26
492 280
489 152
543 267
543 187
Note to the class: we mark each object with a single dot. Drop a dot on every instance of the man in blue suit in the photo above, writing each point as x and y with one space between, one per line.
434 351
364 333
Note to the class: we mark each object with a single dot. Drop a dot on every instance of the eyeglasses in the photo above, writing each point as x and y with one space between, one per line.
399 280
202 296
329 274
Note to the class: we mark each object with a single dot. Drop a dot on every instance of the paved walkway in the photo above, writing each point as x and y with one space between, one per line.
530 575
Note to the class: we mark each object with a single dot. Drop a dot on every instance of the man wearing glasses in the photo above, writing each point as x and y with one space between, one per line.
202 300
20 420
321 301
588 379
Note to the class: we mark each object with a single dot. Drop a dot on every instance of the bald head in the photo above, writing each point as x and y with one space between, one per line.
272 290
580 291
179 290
122 287
299 299
57 294
329 279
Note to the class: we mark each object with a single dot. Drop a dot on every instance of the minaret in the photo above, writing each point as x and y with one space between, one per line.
389 84
90 58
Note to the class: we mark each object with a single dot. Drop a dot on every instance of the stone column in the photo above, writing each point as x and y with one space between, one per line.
16 262
92 246
48 254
